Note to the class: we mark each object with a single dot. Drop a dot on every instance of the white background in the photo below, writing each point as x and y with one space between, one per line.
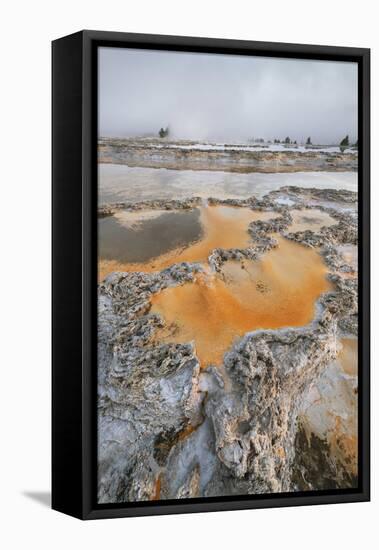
27 27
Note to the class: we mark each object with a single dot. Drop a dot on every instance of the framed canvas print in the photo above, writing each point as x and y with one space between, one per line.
210 274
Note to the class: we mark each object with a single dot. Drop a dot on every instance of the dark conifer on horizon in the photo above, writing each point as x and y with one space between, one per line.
163 132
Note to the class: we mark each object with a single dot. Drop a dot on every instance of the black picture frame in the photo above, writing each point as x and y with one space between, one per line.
74 294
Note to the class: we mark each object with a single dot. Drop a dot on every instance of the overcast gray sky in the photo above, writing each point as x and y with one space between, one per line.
222 97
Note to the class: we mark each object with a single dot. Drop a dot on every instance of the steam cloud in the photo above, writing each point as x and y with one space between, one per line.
225 98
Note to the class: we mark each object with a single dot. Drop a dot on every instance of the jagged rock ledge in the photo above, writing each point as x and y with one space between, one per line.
238 160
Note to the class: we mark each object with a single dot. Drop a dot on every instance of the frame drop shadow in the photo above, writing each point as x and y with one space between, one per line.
41 497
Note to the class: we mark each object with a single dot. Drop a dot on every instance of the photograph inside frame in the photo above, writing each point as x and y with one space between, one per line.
227 275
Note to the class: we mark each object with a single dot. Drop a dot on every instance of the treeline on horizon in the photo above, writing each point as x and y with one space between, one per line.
345 142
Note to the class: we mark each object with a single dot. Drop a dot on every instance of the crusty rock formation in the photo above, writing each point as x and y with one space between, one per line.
184 204
168 429
255 423
147 394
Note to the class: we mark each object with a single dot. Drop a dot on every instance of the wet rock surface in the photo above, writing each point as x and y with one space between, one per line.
169 430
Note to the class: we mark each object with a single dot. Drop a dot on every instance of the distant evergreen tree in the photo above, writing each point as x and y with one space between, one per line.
345 142
287 140
309 141
163 132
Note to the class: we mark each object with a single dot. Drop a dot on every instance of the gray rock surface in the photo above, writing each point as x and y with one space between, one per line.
168 430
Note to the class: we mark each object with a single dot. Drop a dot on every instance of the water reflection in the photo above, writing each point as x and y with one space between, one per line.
139 236
123 183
